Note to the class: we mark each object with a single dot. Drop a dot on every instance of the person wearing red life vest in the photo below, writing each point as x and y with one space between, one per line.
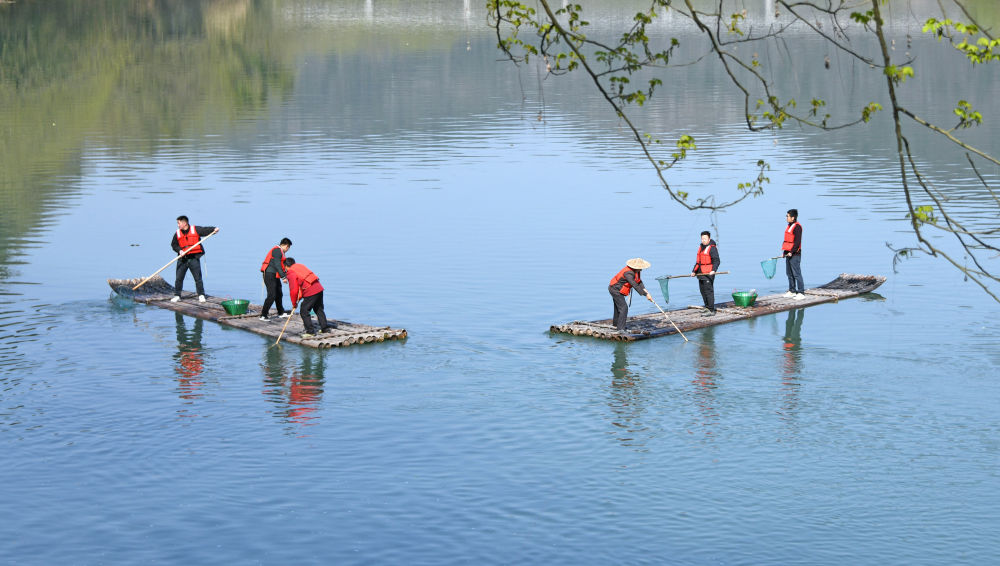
630 277
185 243
303 283
274 272
791 249
705 266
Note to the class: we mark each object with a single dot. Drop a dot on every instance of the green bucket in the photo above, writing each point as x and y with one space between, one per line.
744 298
236 306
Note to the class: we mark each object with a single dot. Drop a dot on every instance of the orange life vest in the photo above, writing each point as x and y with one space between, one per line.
267 260
304 277
705 259
185 241
790 237
627 287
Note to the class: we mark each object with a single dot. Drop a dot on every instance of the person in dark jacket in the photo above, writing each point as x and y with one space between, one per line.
185 243
274 274
705 266
621 286
791 249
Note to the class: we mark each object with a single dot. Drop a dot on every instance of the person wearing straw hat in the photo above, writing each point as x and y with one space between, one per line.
187 238
791 249
303 283
705 266
621 286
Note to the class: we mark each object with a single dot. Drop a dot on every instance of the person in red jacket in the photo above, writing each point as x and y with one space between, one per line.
303 283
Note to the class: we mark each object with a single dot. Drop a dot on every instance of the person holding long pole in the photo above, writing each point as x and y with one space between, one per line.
621 286
303 284
186 244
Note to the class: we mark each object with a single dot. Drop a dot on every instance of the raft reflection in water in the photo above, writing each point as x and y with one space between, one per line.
189 361
297 391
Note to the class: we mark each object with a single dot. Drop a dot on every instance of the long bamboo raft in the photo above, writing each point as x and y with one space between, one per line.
157 292
655 324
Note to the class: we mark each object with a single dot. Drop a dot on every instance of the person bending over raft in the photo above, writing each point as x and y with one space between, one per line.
274 274
705 266
186 236
304 283
621 286
791 248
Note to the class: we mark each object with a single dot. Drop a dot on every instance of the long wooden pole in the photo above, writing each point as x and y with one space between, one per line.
671 322
287 320
180 255
693 275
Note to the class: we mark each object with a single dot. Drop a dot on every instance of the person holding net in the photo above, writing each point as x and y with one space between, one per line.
705 266
791 250
621 286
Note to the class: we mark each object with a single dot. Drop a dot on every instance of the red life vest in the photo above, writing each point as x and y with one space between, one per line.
267 260
790 237
185 241
627 287
705 259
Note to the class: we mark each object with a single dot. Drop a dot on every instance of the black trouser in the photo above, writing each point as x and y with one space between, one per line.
274 294
621 308
313 303
183 265
793 268
706 283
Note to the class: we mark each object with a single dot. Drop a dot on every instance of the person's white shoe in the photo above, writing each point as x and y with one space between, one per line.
799 296
284 315
788 294
175 299
201 298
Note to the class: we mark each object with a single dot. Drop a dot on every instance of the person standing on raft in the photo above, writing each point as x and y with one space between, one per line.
621 286
705 266
186 236
274 275
791 249
303 283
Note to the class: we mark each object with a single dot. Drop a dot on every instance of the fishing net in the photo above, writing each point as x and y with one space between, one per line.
124 288
664 287
770 266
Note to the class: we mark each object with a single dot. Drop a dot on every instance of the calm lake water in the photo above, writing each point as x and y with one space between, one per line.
434 187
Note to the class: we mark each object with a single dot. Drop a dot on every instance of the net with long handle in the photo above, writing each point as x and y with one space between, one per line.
770 266
665 287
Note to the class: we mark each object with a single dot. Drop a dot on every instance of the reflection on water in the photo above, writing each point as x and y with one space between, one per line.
296 390
791 364
626 400
706 380
189 360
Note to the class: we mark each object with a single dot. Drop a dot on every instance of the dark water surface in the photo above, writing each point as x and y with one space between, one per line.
434 188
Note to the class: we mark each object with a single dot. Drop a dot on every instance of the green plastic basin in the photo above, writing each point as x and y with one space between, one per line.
236 306
744 298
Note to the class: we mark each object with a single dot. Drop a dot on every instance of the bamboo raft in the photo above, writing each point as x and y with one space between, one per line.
655 324
157 292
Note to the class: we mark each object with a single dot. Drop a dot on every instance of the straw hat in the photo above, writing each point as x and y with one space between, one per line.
637 263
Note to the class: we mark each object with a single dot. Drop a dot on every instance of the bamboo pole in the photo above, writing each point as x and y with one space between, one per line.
287 320
180 255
